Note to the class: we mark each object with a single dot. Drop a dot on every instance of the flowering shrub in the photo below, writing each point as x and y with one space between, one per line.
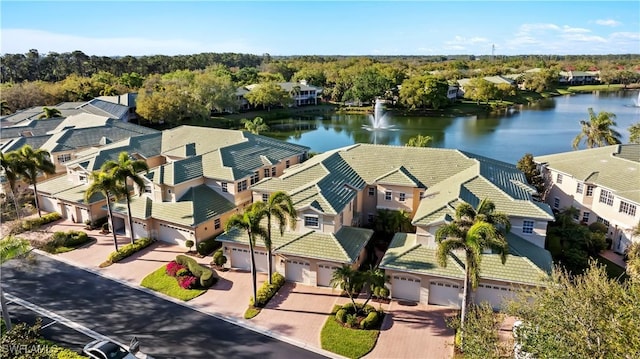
182 272
187 282
173 267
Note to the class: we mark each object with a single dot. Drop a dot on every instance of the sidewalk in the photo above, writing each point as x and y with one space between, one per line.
614 257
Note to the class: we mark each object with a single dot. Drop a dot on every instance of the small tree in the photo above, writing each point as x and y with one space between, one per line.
189 244
530 169
219 259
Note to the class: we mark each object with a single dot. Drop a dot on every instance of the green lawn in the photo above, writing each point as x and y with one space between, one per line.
166 284
351 343
614 271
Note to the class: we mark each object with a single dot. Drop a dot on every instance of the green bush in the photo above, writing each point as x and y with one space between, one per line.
350 308
98 223
65 241
207 246
598 227
129 249
351 321
35 223
371 321
341 315
206 276
219 258
381 292
189 243
267 291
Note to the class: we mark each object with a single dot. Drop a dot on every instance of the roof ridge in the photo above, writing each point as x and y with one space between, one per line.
335 239
294 240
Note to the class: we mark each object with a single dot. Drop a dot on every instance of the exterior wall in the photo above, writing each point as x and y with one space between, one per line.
301 228
173 193
395 204
538 235
57 159
425 282
216 185
369 204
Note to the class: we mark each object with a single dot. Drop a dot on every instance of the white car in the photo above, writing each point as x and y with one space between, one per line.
104 349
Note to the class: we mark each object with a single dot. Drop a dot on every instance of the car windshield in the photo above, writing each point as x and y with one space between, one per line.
113 351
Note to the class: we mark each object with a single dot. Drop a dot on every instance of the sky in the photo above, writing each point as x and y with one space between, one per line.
284 28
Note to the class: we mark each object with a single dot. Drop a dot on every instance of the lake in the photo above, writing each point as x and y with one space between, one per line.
548 126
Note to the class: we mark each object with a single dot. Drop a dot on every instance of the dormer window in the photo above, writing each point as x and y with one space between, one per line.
82 178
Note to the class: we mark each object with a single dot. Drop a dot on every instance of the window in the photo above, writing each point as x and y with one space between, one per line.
387 196
147 189
403 196
576 215
224 187
273 172
242 186
267 172
255 178
606 197
556 202
579 187
628 208
559 178
216 223
372 191
64 158
603 221
527 227
589 190
311 221
82 178
265 197
287 164
585 217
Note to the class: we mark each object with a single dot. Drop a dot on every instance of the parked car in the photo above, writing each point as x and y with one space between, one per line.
104 349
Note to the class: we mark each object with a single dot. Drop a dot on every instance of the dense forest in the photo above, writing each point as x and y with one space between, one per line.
187 86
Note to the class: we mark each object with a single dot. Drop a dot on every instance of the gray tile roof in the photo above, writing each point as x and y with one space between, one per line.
614 167
30 128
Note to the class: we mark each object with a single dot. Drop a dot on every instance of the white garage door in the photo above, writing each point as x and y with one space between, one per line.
494 294
297 271
48 204
70 212
240 258
445 293
139 230
261 261
325 272
173 235
407 288
84 215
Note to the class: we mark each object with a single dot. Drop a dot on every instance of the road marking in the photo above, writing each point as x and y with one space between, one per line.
64 321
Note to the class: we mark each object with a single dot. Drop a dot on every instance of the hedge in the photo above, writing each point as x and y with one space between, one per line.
129 249
207 246
66 241
206 276
267 291
371 321
35 223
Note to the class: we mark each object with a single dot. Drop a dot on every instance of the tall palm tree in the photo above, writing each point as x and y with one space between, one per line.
598 131
255 126
10 163
249 221
10 247
108 186
348 279
472 231
123 170
279 207
31 163
49 112
419 141
373 277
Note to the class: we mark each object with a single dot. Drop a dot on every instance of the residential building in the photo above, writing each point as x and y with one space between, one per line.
128 99
301 93
602 183
496 80
579 77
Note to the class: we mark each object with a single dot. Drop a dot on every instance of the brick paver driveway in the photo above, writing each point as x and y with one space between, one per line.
414 331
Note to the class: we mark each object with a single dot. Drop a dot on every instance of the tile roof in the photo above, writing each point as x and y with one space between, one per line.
105 108
196 206
615 167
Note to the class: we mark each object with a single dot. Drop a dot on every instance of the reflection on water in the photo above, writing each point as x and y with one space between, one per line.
547 126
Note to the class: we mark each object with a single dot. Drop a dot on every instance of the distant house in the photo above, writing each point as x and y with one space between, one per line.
496 80
602 183
128 100
301 93
579 77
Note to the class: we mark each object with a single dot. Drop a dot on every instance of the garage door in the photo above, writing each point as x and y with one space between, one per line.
407 288
494 294
173 235
48 204
297 271
70 212
139 230
261 261
445 293
325 272
240 258
84 215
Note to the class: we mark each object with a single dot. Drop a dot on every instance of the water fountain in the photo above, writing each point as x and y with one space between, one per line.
638 100
378 120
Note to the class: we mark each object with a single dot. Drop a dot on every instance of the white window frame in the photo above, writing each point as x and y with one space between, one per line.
527 226
556 202
606 197
585 217
372 191
224 187
287 164
64 158
402 197
265 197
267 172
216 223
255 178
388 195
627 208
590 190
242 186
309 220
579 187
274 171
559 178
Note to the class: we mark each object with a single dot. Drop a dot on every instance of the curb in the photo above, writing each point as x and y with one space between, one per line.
232 320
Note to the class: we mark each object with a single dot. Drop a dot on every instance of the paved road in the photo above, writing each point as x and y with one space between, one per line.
165 329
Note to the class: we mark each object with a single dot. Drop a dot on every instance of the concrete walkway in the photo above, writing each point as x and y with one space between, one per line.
295 315
614 257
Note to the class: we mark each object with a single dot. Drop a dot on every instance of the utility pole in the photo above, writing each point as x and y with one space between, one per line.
493 52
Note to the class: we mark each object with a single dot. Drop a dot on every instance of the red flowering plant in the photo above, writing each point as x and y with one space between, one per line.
187 282
173 267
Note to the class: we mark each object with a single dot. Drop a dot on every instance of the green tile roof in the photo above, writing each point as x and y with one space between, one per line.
515 269
141 207
196 206
614 167
401 177
521 247
237 236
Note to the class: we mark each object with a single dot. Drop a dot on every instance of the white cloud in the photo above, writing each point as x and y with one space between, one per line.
526 28
569 29
583 38
625 36
608 22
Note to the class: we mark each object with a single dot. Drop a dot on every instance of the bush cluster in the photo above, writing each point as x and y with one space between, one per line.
35 223
219 258
129 249
206 276
371 321
207 246
381 292
348 316
267 291
185 278
70 239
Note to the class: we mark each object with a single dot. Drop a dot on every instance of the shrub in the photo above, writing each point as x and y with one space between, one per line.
189 243
278 279
182 272
173 267
65 241
98 223
267 291
598 227
352 320
219 258
381 292
129 249
35 223
206 276
188 281
370 321
207 246
341 315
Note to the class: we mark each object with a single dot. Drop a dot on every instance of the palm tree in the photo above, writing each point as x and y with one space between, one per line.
419 141
280 207
31 163
255 126
249 221
597 130
373 277
49 112
10 163
473 231
348 279
10 247
634 133
122 170
108 186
